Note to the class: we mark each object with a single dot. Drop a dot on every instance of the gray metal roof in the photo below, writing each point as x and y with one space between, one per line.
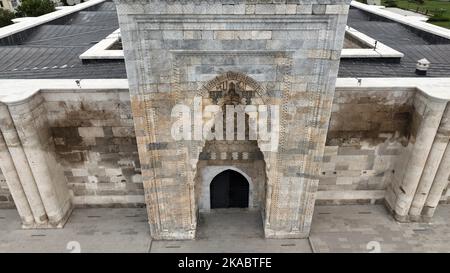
52 50
413 44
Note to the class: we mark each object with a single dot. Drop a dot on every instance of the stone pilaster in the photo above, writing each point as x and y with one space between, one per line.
30 121
400 194
14 185
22 167
439 185
433 162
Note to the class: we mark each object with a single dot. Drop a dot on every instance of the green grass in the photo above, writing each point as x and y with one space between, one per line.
433 7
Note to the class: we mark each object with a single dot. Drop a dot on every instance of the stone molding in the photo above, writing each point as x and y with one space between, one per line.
235 2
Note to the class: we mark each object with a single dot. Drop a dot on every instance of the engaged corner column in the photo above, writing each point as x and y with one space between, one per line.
434 162
439 185
18 174
431 111
30 120
15 187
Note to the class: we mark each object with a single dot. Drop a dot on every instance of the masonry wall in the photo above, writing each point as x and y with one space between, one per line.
96 145
6 200
446 195
368 131
288 51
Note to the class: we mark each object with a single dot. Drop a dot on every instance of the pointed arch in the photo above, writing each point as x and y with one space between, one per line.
208 175
210 85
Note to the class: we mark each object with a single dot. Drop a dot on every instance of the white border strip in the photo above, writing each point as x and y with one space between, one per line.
424 26
101 49
436 88
27 24
12 91
17 90
381 50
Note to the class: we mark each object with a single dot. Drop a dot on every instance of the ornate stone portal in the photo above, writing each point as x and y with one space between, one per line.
283 53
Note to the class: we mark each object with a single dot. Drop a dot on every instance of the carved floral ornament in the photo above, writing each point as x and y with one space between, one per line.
233 88
231 93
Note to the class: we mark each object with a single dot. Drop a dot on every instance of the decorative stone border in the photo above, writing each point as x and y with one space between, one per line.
101 49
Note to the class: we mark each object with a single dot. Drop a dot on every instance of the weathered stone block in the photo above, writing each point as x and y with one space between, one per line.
90 132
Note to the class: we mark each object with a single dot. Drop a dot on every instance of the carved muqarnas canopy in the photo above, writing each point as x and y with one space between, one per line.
231 92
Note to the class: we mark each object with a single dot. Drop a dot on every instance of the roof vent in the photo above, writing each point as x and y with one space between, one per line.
422 67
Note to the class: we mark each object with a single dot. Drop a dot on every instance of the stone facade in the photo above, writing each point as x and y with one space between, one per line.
6 200
96 146
93 142
368 131
287 51
64 148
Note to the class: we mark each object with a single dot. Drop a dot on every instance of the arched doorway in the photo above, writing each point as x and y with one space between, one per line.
229 189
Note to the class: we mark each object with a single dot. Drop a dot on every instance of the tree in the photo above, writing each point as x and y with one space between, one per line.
33 8
439 16
6 17
71 2
390 3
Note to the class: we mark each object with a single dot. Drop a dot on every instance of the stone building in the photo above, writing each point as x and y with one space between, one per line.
87 118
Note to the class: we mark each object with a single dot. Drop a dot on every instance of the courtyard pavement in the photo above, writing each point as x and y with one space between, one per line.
352 228
231 231
93 230
372 229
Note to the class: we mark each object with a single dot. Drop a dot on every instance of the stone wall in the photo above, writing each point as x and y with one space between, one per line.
95 142
6 200
446 194
371 132
368 131
96 145
288 52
